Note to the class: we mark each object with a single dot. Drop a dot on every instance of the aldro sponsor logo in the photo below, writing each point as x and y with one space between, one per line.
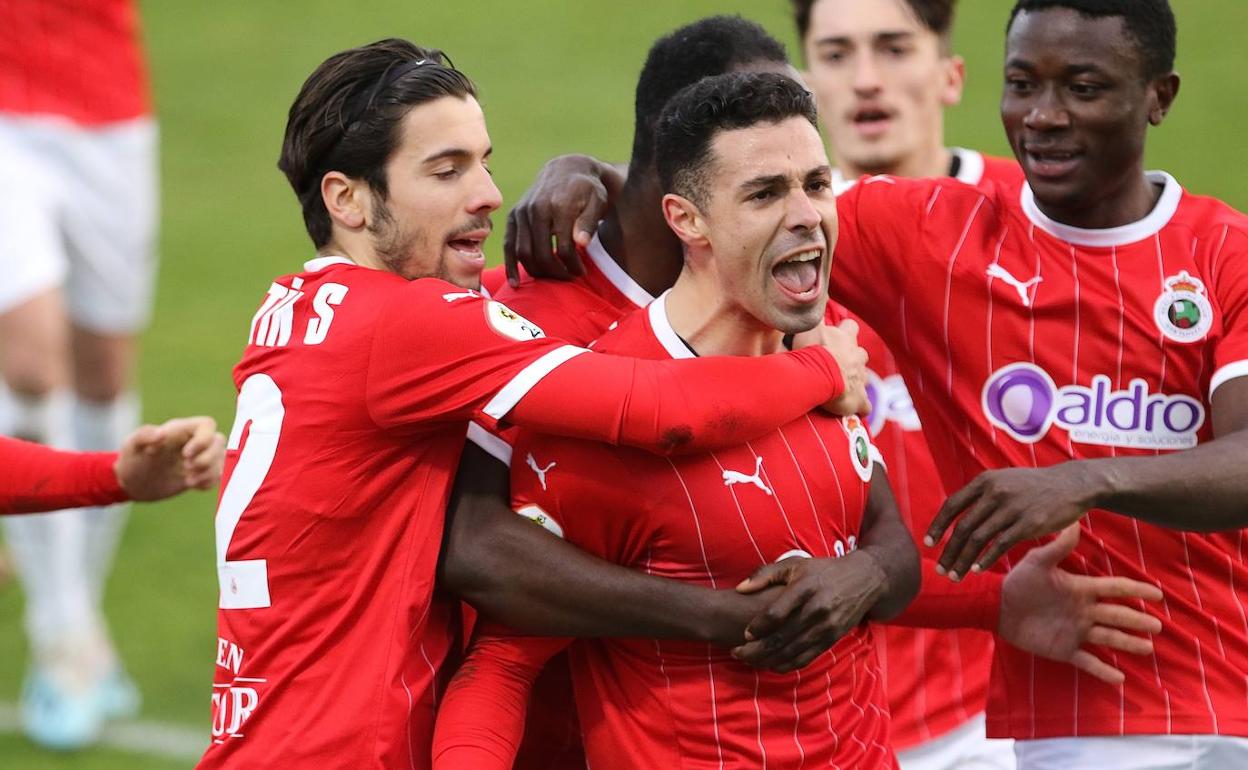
1023 400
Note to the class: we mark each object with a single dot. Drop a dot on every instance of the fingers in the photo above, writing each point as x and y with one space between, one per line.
956 503
144 439
203 471
522 245
544 261
850 327
1055 552
1094 666
203 429
511 264
777 623
998 548
1119 588
798 653
1120 640
779 573
586 223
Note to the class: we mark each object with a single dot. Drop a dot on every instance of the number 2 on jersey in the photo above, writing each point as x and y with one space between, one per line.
245 584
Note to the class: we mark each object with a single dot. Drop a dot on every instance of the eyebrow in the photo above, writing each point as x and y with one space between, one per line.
773 180
1078 68
455 153
888 36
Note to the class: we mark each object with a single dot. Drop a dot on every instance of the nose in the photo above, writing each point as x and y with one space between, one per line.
801 213
866 74
1047 112
486 196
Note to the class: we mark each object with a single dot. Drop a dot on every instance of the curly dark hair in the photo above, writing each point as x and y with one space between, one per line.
711 46
1150 23
726 102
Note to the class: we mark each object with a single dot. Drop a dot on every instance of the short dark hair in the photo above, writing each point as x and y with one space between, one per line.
347 116
725 102
1150 23
711 46
936 15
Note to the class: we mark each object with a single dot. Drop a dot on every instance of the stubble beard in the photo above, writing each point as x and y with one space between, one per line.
397 247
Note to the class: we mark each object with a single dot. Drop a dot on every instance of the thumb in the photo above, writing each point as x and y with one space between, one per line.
850 327
768 575
1054 553
144 437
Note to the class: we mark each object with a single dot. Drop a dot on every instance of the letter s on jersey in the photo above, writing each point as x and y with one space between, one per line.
327 297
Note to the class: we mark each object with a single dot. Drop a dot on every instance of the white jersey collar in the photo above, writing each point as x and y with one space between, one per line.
320 263
615 274
1159 217
663 330
970 166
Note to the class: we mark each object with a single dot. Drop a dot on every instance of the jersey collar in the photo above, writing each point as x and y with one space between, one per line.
663 330
970 171
615 274
320 263
1134 232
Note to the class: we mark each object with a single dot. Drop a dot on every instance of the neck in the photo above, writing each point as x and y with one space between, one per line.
701 315
639 240
932 161
1128 202
357 253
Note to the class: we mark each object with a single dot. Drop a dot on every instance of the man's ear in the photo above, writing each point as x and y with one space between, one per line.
954 81
1165 90
345 199
685 219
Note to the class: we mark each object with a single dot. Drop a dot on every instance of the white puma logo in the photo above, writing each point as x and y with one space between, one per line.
735 477
541 472
996 271
452 296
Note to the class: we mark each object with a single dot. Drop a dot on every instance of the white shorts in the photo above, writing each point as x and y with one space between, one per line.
78 209
1134 752
964 748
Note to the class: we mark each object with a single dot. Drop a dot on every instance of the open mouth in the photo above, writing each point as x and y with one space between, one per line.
469 243
871 120
799 275
1051 162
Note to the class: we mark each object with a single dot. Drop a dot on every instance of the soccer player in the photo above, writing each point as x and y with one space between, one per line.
1076 312
355 390
78 212
883 72
155 462
1087 323
751 200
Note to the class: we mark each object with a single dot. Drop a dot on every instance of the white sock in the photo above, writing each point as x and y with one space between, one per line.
102 427
47 548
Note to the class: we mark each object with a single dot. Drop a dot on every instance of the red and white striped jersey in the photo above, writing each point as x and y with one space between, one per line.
579 311
937 679
354 392
74 60
712 519
1025 342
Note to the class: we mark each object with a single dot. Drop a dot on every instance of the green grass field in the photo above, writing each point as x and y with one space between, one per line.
556 76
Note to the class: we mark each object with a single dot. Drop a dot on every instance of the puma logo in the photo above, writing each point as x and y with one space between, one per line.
541 472
735 477
452 296
996 271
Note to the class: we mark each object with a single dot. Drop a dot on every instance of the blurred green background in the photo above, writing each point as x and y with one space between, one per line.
556 76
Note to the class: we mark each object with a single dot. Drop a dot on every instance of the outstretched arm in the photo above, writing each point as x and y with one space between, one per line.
154 462
518 574
1200 489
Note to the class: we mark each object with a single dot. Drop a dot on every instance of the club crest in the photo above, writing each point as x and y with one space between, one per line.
1183 312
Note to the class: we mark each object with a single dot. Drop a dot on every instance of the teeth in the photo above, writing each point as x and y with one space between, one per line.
806 256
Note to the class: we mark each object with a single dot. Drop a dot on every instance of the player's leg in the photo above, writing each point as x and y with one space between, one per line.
963 748
1134 752
46 549
110 233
